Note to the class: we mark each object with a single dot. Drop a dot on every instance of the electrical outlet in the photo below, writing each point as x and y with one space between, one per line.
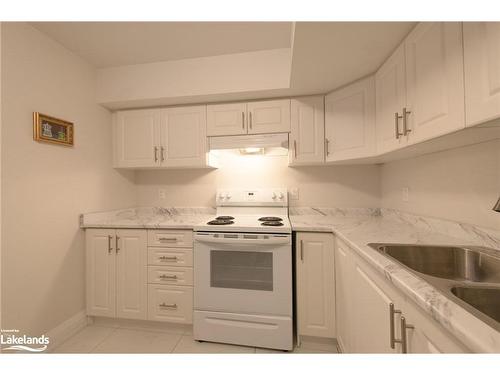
162 193
406 194
294 193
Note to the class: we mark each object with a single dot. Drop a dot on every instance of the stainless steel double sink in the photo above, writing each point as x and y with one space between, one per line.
468 275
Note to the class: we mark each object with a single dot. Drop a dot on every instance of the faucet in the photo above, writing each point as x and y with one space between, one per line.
496 207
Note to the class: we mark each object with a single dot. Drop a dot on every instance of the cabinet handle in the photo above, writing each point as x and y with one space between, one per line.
110 248
162 153
302 250
250 118
174 259
404 337
167 239
392 334
243 120
173 277
168 306
156 154
405 121
295 148
397 116
116 244
327 146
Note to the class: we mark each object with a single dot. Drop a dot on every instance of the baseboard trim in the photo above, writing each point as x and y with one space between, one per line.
66 329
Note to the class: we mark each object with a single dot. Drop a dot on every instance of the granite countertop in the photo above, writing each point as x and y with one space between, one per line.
356 227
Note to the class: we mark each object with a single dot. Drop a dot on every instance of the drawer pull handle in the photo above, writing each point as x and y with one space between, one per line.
173 277
168 306
169 259
167 239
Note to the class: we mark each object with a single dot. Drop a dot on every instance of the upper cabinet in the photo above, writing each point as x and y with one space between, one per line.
350 121
420 89
434 81
482 71
170 137
307 137
268 116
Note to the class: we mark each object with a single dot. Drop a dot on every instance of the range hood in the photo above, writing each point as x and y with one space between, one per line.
241 142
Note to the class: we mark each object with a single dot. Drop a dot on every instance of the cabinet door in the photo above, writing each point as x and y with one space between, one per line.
101 276
371 329
434 80
307 130
315 284
390 92
270 116
227 119
344 269
170 303
136 138
184 137
131 262
482 71
350 121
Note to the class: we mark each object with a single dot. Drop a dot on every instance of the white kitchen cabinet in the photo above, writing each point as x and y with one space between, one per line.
167 138
116 273
269 116
136 138
390 91
307 131
482 71
101 272
350 121
344 307
227 119
434 81
183 135
131 276
315 279
170 303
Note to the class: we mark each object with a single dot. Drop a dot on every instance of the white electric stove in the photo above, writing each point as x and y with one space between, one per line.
243 271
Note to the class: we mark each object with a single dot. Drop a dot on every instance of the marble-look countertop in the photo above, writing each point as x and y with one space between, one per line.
357 230
149 218
356 227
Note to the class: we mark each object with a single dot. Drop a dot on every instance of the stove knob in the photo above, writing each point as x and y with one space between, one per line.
221 197
228 196
274 196
281 196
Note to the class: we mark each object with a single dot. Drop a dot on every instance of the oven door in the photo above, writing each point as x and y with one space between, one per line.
243 273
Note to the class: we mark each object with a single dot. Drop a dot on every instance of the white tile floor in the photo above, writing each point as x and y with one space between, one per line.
141 337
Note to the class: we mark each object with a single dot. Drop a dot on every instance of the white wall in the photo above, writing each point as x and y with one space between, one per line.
342 186
203 79
461 184
45 187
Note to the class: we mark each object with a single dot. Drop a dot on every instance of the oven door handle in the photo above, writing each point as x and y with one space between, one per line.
244 241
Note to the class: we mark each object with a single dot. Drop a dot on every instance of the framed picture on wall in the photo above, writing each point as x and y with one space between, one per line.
52 130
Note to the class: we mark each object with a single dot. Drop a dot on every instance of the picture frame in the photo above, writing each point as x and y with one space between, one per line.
50 129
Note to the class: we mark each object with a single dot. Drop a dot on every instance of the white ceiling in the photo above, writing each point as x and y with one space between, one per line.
327 55
107 44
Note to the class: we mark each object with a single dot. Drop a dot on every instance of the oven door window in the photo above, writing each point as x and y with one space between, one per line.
241 270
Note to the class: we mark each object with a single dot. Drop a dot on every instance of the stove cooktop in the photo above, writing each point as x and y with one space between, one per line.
246 223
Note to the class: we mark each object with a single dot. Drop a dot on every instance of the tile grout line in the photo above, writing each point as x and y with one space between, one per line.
176 344
113 330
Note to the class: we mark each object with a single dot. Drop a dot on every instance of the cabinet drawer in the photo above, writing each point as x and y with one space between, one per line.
170 257
170 275
170 238
170 303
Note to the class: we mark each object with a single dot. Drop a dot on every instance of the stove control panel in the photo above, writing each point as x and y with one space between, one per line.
252 197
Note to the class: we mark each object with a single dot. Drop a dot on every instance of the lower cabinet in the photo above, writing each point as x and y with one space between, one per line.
116 273
170 303
373 317
315 284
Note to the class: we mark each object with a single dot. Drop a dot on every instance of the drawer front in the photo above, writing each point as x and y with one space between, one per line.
170 257
170 275
170 238
170 304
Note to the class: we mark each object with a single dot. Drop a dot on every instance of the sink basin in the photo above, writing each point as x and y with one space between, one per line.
486 300
447 262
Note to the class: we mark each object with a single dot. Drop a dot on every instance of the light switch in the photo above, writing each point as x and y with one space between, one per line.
162 193
294 193
406 194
